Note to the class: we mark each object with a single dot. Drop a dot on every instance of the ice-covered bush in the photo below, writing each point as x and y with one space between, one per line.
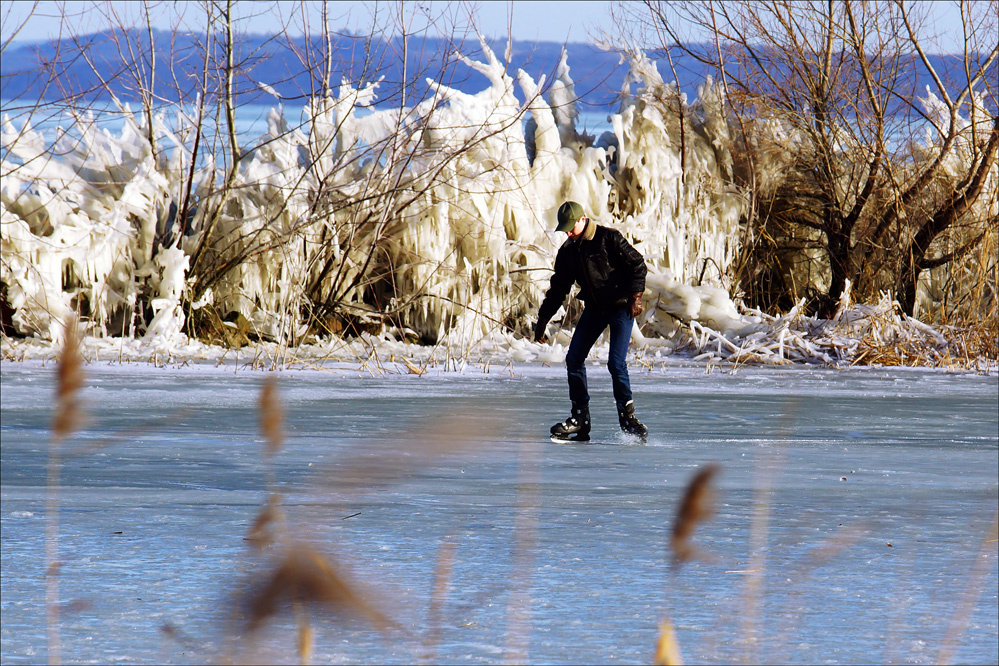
432 218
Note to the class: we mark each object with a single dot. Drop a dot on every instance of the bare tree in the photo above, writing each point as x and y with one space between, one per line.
860 172
316 206
355 194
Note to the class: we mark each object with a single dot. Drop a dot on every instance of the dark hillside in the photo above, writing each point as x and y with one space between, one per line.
51 71
54 71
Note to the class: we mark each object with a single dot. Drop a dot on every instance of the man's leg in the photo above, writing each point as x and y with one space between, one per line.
577 427
617 362
617 356
589 327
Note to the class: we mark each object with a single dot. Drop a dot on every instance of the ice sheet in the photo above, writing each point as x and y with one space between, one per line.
853 508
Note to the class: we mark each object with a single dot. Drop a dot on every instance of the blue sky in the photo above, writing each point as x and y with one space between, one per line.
529 20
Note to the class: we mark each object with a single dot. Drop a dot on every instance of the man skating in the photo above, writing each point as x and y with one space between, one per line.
611 278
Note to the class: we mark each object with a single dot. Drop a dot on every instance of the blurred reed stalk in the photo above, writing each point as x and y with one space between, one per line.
767 471
297 576
65 421
959 622
262 532
272 427
784 614
696 506
441 592
525 544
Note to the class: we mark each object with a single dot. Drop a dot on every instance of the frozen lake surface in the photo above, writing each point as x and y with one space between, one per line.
853 517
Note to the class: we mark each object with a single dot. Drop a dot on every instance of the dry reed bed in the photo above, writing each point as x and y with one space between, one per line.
856 335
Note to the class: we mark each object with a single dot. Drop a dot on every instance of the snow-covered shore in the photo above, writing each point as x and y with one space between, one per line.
856 335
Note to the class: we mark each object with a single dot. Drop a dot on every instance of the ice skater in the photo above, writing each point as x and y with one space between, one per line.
611 278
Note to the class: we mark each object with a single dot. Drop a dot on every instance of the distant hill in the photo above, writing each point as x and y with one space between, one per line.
52 71
47 70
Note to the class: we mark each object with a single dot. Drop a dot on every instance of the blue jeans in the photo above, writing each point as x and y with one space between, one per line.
591 324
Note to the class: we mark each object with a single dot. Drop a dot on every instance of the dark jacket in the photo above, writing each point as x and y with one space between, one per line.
606 267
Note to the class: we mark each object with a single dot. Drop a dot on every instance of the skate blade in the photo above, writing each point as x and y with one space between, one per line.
570 440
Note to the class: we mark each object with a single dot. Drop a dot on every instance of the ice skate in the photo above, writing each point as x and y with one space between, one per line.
576 428
630 424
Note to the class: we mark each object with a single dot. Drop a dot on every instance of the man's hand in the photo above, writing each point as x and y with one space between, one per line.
635 305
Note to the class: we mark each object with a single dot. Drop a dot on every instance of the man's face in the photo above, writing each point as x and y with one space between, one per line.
578 229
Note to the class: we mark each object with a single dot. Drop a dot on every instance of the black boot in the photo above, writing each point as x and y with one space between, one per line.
630 423
576 428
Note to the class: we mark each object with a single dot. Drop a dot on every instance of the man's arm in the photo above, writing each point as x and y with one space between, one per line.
634 263
558 288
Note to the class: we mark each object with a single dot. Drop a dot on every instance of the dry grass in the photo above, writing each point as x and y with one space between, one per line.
877 334
963 348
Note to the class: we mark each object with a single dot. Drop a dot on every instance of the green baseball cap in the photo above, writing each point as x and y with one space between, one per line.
568 214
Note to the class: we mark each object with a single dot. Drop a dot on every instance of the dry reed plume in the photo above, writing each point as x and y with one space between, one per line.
667 647
697 505
271 417
67 417
261 533
304 576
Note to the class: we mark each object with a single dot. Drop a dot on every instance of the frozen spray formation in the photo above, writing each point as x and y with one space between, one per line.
431 220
